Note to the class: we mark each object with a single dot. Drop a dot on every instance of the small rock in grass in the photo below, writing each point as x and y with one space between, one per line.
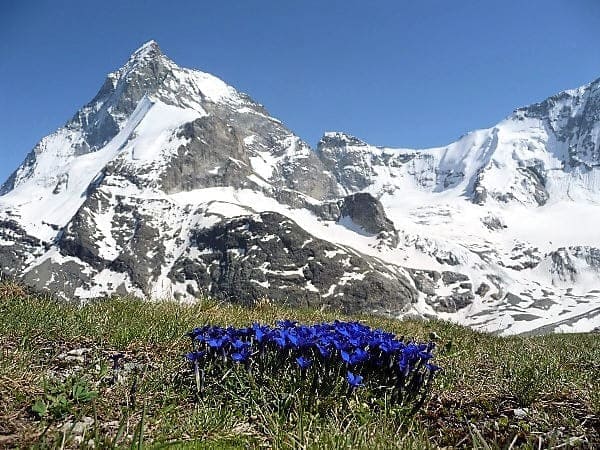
521 413
75 355
79 427
77 359
78 352
112 424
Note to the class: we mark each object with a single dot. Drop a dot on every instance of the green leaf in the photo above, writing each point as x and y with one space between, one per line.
81 393
40 408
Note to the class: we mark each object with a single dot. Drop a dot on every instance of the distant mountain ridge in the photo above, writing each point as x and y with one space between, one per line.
170 183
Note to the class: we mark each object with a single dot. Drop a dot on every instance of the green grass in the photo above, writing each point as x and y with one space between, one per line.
151 403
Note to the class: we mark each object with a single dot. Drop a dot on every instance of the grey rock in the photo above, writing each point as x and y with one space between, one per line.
453 302
483 289
22 249
59 280
78 428
353 164
78 351
341 155
512 299
426 280
534 176
367 212
453 277
521 413
492 222
214 156
429 282
267 255
564 262
572 117
523 257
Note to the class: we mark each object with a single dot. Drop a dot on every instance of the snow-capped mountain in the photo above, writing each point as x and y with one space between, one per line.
170 183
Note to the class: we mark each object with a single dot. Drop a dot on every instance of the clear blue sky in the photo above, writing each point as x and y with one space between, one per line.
398 73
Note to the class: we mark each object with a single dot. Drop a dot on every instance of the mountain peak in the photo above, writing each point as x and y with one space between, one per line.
149 50
339 139
148 55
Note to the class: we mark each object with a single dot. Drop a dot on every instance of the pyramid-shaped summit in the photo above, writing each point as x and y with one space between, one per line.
172 184
148 50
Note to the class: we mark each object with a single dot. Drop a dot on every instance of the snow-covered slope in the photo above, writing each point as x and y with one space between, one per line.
170 183
513 207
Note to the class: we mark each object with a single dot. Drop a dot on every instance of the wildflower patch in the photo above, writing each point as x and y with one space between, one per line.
313 362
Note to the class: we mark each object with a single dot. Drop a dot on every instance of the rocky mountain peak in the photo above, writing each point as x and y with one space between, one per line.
149 60
149 50
348 158
573 116
339 139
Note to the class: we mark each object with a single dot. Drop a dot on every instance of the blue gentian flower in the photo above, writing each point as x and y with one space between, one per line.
195 356
238 344
241 356
292 338
303 362
432 367
358 356
354 380
345 356
280 341
216 343
260 332
323 350
339 344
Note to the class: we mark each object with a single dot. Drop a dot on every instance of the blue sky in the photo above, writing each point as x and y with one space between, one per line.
398 73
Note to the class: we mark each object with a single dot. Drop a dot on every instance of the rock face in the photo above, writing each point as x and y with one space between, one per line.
458 291
269 256
573 117
346 158
18 248
213 156
366 212
570 264
170 183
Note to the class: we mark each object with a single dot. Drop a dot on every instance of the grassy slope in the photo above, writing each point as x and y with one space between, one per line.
556 378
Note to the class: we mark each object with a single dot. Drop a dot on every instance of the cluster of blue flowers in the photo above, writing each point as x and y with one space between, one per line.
339 350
